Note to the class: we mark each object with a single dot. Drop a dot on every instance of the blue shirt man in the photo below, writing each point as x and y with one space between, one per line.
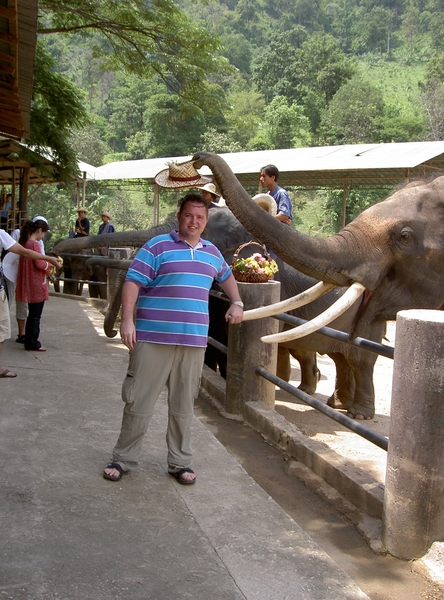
268 178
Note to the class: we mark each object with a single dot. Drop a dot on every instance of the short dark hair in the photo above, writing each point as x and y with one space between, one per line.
271 171
192 197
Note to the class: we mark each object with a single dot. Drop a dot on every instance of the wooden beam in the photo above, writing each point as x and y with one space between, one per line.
9 38
8 13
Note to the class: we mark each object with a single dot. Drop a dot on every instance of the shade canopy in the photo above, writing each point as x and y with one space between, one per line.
337 167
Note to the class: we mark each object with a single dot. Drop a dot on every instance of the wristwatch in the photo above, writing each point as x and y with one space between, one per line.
238 303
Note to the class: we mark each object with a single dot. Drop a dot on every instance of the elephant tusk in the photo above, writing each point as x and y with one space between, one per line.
340 306
301 299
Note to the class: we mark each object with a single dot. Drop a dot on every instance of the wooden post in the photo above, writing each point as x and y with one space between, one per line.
413 516
246 351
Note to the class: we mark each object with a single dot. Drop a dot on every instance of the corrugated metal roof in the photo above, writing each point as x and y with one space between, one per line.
359 165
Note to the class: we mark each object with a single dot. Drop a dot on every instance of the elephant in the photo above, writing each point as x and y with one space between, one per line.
77 267
392 254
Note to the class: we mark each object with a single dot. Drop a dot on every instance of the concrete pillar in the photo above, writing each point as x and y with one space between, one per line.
413 516
245 350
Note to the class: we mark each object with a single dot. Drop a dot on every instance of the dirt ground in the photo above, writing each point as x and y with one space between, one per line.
380 577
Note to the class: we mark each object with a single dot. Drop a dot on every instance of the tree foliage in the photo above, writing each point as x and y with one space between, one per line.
57 109
147 38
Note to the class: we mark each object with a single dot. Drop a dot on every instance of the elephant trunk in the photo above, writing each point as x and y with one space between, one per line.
114 305
332 260
120 239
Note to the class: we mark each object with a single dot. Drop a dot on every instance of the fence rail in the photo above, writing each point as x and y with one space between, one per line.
365 432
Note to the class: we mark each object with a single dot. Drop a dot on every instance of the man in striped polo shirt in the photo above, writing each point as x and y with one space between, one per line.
169 282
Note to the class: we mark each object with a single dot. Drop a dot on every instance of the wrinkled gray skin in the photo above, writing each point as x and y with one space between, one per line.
395 249
78 268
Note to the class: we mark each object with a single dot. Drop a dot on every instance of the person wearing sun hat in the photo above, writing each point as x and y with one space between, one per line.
82 223
169 282
209 192
105 227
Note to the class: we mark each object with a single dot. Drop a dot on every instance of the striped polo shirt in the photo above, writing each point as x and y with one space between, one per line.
175 280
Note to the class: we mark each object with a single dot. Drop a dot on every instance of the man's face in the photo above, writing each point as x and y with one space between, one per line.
266 180
105 219
192 221
81 215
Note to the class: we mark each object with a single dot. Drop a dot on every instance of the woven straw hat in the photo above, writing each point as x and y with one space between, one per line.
266 202
82 209
209 187
106 214
179 176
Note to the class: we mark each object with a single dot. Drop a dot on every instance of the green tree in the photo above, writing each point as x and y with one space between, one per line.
353 116
147 38
321 66
356 201
286 126
57 110
372 29
88 145
213 141
172 127
245 116
273 73
433 103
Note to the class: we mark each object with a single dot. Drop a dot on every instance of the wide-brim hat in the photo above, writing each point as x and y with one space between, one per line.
106 214
266 202
82 209
180 175
209 187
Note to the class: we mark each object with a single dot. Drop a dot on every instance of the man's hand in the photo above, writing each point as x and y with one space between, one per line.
234 314
128 333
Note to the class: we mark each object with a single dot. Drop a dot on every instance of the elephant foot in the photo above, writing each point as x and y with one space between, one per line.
335 403
359 416
307 389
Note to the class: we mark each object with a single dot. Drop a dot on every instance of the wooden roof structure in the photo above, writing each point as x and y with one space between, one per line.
18 37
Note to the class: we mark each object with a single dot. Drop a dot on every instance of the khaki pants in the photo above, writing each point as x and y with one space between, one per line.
151 367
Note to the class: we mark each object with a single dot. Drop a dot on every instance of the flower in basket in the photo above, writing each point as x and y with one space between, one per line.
255 268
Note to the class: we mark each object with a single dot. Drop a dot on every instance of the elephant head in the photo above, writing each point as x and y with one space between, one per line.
394 249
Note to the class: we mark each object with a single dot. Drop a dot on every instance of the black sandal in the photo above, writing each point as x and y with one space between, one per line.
20 339
114 477
179 476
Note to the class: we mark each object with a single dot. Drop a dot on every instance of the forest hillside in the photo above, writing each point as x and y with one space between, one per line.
264 74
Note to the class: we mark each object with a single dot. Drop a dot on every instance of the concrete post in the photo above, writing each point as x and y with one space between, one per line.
413 515
246 351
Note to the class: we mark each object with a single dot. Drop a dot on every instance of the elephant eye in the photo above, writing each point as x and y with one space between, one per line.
406 233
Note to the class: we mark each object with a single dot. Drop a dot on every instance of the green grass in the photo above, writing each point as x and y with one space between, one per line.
398 83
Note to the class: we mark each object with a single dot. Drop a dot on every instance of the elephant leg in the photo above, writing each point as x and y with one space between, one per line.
310 374
344 393
363 406
93 290
283 367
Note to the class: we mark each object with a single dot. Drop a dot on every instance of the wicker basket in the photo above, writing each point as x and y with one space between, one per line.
246 276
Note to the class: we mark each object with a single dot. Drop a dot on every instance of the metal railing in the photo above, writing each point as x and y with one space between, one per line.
364 344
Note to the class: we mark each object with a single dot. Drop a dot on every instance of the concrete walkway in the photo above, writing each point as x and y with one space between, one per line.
67 533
